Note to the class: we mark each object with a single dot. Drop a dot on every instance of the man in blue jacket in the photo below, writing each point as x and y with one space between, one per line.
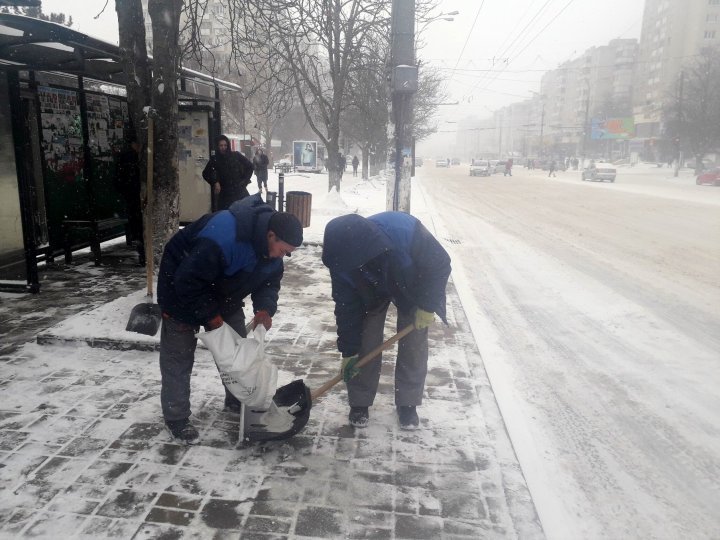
207 269
388 257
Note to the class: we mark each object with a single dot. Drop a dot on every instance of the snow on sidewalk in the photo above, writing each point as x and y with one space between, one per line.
83 452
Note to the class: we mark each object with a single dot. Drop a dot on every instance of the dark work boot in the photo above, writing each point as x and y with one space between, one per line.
408 417
359 417
182 430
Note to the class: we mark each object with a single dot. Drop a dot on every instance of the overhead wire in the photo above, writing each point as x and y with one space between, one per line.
520 33
542 30
466 40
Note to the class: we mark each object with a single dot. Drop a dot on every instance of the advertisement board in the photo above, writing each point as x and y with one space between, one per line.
305 155
612 128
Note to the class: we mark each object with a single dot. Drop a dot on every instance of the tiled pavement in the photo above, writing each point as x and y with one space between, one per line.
83 453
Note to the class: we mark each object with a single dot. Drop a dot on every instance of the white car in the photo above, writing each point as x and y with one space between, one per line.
441 163
479 167
599 172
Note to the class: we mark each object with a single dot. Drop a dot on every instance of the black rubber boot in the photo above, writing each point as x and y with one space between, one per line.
359 417
408 417
182 430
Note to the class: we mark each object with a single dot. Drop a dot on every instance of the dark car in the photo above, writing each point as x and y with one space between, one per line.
711 177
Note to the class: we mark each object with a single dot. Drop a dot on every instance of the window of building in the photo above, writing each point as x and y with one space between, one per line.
714 2
710 34
711 18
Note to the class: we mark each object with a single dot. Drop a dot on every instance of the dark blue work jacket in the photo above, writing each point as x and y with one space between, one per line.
208 267
390 256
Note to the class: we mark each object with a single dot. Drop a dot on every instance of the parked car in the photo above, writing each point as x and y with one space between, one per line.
500 166
283 165
493 166
711 177
479 167
418 162
599 171
455 161
441 163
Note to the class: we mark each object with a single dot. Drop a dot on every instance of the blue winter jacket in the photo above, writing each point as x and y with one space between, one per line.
208 267
388 256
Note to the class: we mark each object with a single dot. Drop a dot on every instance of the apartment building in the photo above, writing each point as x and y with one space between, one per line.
213 33
673 32
598 84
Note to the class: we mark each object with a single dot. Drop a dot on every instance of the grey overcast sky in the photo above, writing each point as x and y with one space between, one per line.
517 40
493 53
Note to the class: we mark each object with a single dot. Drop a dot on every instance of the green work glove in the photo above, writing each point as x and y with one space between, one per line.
348 367
423 318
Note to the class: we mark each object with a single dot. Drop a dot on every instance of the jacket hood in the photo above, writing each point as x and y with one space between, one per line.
252 216
351 241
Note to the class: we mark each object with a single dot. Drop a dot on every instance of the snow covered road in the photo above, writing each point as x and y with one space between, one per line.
596 308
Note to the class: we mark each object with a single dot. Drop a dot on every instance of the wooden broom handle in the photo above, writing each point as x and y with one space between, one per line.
364 360
149 208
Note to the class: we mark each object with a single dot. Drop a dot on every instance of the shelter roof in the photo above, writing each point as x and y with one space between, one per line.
36 45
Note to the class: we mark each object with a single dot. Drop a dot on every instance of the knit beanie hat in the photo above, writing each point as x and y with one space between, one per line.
287 228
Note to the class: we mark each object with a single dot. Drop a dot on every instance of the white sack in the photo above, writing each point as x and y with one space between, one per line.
242 364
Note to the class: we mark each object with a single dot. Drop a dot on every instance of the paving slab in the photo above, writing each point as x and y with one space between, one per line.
83 452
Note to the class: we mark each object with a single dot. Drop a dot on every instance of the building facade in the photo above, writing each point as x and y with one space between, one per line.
673 32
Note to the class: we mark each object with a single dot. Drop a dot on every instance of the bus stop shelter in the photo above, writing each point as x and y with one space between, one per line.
63 118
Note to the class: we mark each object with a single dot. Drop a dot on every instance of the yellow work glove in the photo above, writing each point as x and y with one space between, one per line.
423 318
348 367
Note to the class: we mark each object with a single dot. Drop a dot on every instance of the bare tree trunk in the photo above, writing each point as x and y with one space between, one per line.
134 59
165 16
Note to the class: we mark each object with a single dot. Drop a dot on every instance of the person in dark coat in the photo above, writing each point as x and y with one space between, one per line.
551 168
127 183
206 271
355 163
388 257
228 173
260 164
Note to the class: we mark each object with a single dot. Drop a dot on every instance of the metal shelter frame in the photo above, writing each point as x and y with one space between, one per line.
31 49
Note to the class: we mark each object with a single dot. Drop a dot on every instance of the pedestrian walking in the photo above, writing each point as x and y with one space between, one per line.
387 258
228 173
260 164
207 270
508 167
551 169
355 163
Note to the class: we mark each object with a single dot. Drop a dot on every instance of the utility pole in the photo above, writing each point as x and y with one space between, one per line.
585 127
542 128
679 124
404 85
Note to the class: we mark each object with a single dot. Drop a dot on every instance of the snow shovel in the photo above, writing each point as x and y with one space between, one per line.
290 410
145 318
369 357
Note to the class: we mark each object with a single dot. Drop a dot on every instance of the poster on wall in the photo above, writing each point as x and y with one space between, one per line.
193 155
305 154
61 132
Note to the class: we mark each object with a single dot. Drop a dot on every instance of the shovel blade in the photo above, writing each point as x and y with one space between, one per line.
293 397
145 319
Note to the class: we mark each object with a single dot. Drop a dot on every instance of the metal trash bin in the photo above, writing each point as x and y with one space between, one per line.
271 198
299 203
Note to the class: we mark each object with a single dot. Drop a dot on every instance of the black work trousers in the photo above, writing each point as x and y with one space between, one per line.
410 368
177 357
